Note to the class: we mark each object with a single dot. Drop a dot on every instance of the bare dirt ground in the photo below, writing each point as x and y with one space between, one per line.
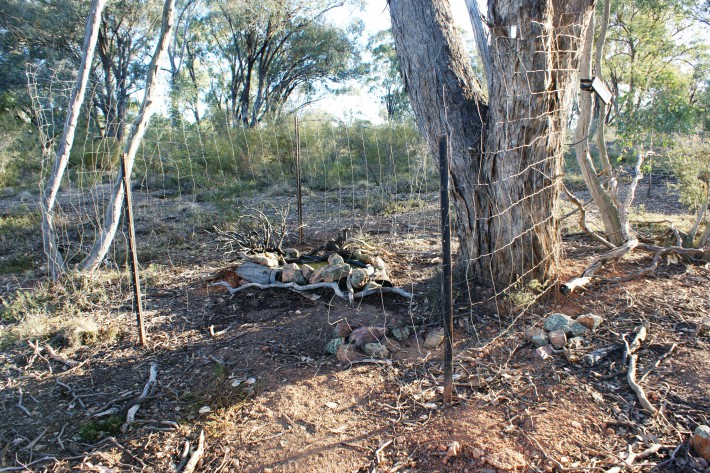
251 371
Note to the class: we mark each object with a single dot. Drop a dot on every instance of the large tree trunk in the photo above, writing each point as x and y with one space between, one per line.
49 197
112 214
505 155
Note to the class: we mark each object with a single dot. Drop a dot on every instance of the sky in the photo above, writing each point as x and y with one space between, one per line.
375 17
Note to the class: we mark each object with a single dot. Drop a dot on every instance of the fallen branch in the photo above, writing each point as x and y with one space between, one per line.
184 456
57 357
631 373
586 277
20 405
196 455
148 390
632 457
660 253
309 287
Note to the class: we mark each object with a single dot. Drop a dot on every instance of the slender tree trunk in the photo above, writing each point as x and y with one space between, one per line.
609 212
506 155
113 210
49 197
601 127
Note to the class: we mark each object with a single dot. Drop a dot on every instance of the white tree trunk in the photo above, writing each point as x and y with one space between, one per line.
55 261
112 213
481 36
601 140
609 213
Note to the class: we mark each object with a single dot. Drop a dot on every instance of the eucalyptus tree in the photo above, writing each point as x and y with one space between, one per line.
264 51
506 147
125 37
384 76
656 64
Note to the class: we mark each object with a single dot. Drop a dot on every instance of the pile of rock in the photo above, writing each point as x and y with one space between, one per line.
352 343
363 276
560 330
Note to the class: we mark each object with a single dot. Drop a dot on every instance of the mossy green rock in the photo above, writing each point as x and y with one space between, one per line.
557 321
333 345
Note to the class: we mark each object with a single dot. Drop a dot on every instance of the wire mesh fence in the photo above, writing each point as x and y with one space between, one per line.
193 179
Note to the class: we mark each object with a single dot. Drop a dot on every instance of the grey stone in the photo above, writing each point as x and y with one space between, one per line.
700 441
556 321
336 273
333 345
576 329
558 338
537 337
591 321
401 333
335 259
375 350
434 338
307 270
358 277
291 273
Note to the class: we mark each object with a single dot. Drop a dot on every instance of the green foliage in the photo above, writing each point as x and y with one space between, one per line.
96 429
690 161
20 154
261 53
657 70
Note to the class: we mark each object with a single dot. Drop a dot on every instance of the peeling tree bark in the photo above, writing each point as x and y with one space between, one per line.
505 154
55 260
112 214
